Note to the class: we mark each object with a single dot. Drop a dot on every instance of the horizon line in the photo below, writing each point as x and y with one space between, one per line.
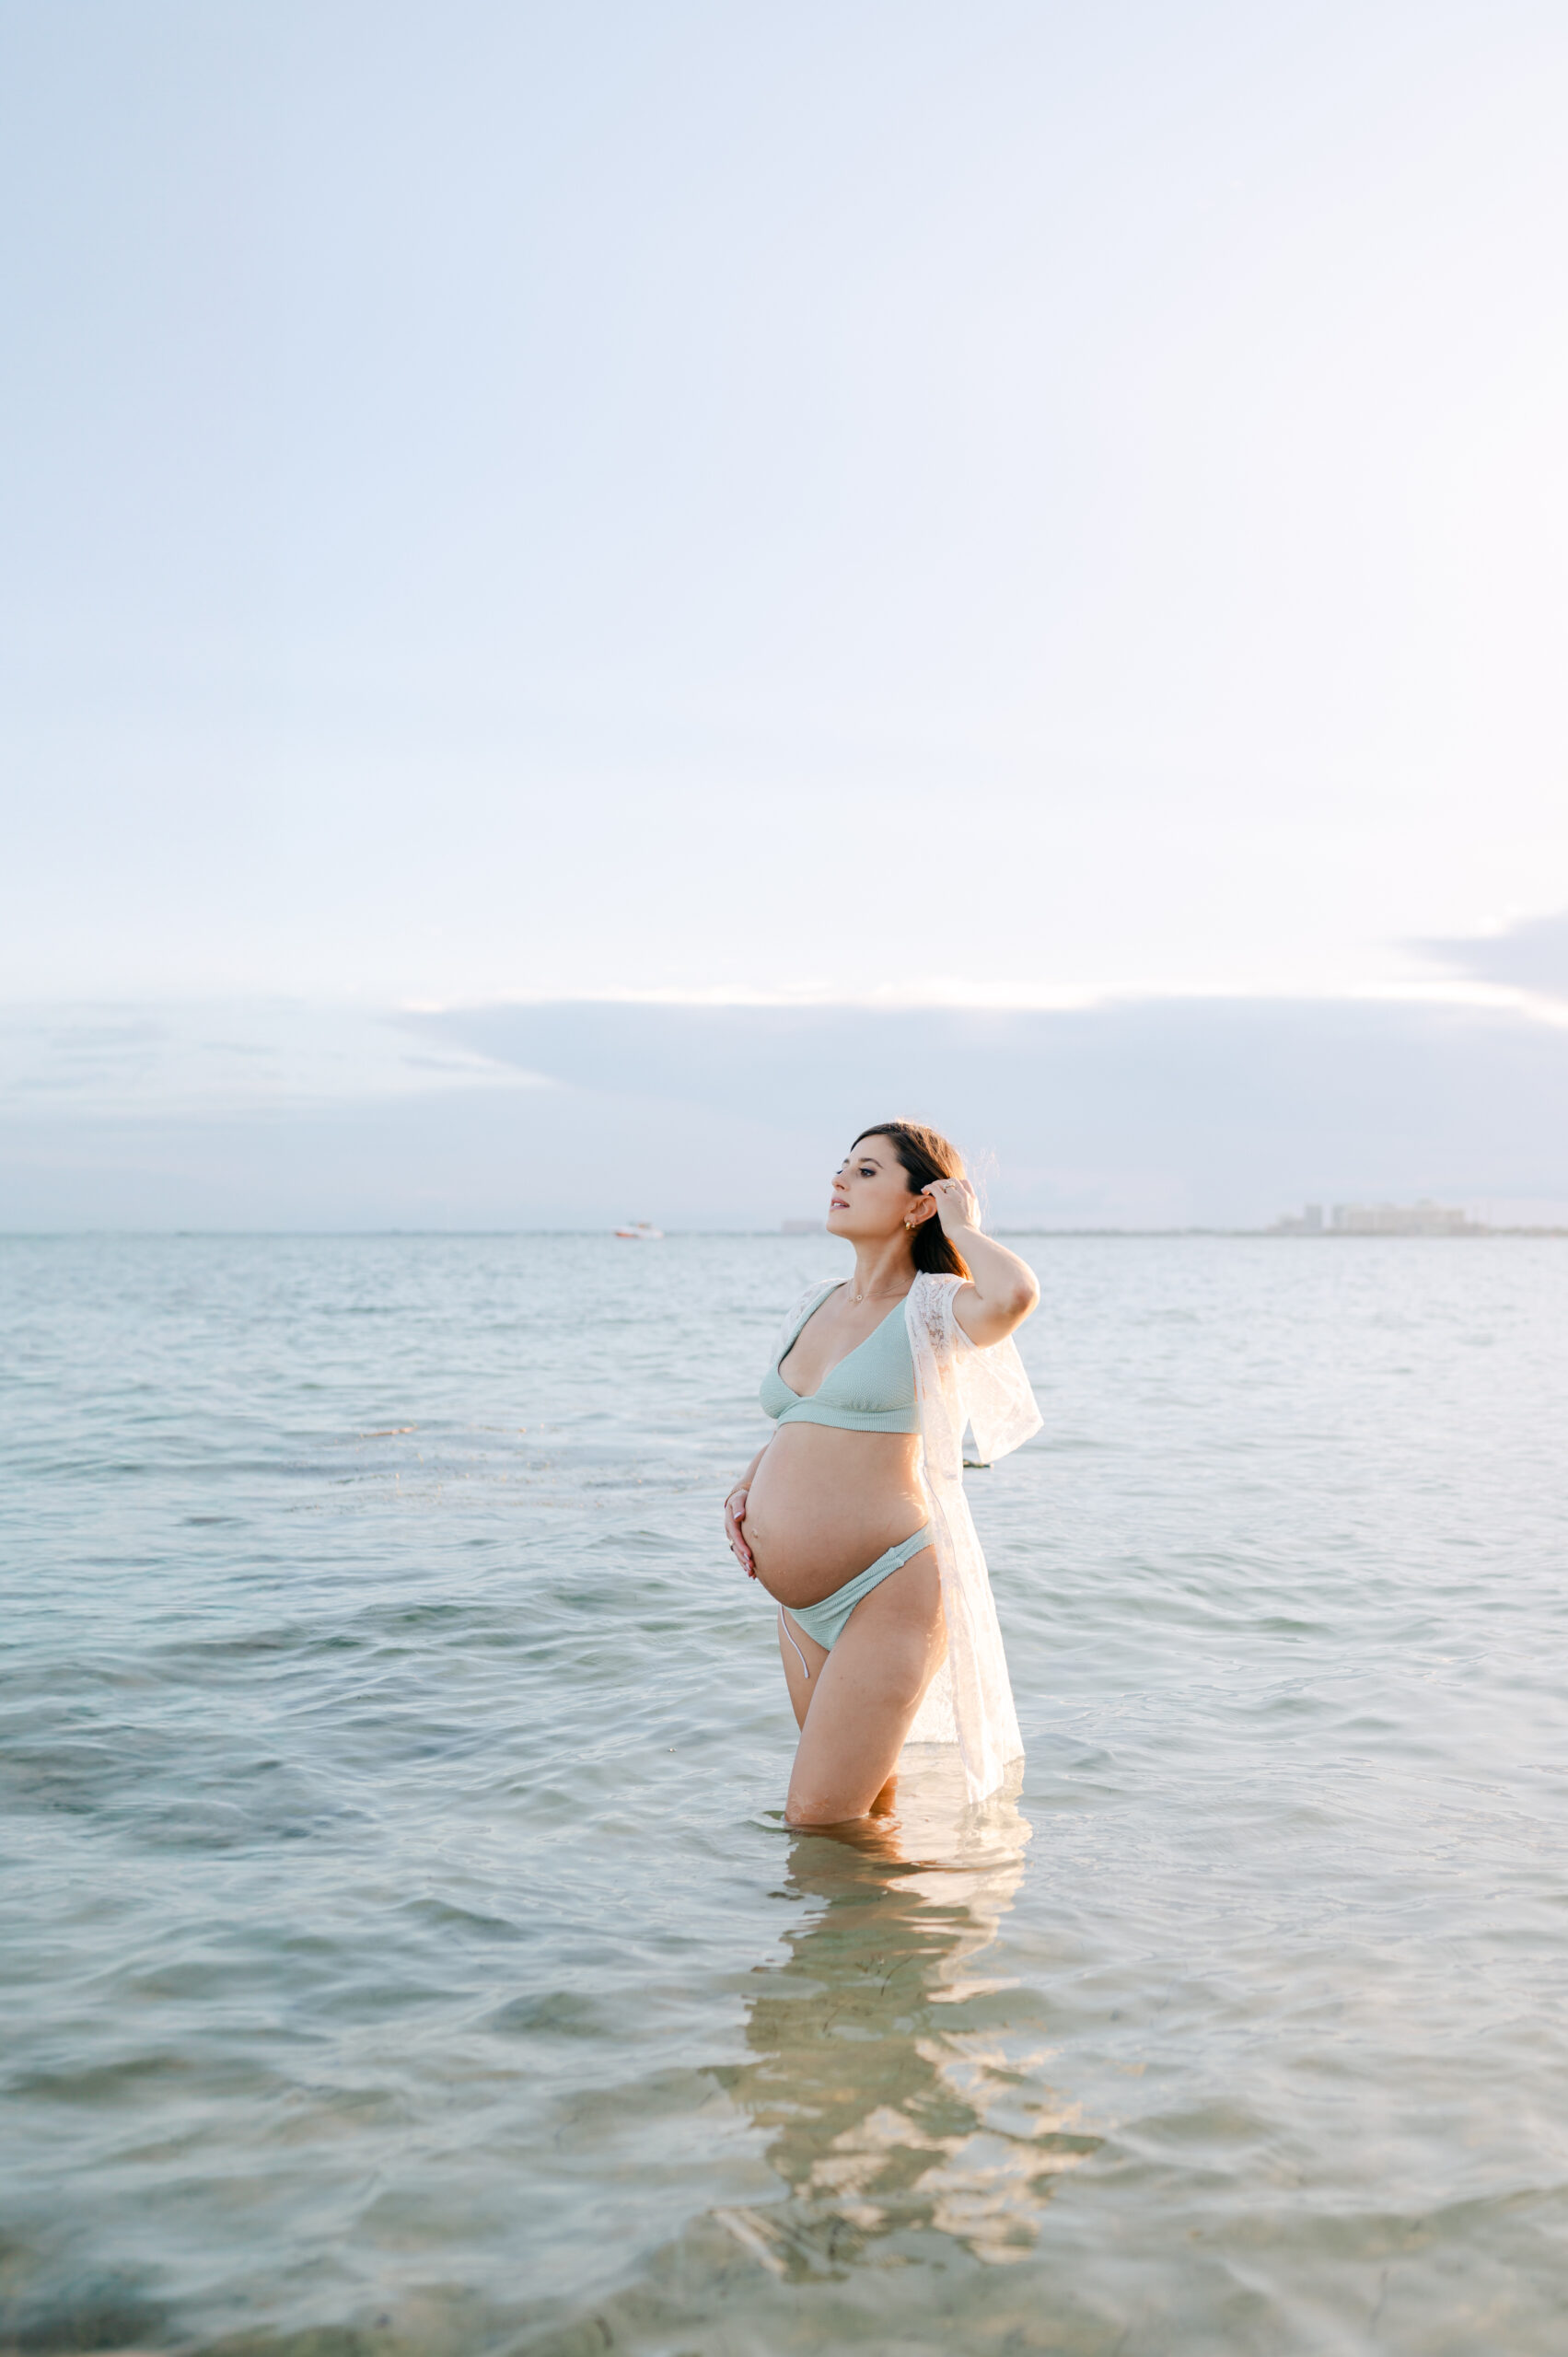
771 1235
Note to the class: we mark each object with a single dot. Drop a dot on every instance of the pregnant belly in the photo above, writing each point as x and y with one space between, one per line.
824 1505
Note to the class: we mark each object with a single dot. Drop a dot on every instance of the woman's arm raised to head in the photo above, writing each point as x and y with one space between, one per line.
1003 1289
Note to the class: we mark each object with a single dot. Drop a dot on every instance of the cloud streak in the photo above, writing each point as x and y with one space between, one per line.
1532 956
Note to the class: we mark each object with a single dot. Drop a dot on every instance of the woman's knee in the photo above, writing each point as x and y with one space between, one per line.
809 1808
829 1791
802 1811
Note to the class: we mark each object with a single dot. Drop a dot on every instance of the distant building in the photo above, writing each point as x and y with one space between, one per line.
1402 1219
1379 1219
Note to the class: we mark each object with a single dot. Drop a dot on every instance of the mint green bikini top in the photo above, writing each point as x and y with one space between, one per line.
871 1390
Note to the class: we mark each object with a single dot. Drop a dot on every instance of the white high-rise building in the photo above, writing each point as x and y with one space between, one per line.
1401 1219
1378 1219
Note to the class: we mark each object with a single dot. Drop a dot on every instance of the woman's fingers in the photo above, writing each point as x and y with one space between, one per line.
734 1516
955 1195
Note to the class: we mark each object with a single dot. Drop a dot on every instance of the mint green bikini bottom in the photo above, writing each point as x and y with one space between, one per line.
825 1621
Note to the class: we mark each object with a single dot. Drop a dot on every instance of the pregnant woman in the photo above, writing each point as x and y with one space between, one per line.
853 1514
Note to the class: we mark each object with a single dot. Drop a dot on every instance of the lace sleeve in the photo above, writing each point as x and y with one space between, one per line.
998 1398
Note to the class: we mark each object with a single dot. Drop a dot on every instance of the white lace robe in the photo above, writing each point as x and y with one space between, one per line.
969 1701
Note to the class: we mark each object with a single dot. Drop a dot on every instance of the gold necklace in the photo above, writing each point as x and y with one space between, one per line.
883 1296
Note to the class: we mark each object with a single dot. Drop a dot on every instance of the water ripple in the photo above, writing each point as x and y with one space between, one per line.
402 1950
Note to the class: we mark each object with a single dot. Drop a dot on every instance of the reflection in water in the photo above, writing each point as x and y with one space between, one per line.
891 2076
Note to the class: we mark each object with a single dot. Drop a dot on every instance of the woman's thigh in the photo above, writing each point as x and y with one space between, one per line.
863 1698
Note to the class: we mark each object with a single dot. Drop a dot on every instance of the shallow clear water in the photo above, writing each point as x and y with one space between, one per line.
402 1950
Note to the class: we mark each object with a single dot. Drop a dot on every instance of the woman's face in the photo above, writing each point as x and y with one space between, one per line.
871 1192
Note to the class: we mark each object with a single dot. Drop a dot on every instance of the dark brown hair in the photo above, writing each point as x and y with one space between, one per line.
925 1155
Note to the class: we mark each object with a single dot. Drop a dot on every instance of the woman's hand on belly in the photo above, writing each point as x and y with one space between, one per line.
734 1530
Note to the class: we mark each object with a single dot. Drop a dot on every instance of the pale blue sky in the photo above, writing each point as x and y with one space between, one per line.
1000 503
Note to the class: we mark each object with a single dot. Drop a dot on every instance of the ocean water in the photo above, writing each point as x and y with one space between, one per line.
403 1949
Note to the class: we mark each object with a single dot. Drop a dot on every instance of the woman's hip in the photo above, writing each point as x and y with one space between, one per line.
825 1620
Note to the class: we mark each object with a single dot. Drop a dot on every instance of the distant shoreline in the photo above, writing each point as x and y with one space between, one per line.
1322 1236
739 1235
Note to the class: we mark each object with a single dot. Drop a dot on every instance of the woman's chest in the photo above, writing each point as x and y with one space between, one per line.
824 1343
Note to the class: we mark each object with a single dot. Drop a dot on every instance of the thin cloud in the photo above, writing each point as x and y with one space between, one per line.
1529 957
